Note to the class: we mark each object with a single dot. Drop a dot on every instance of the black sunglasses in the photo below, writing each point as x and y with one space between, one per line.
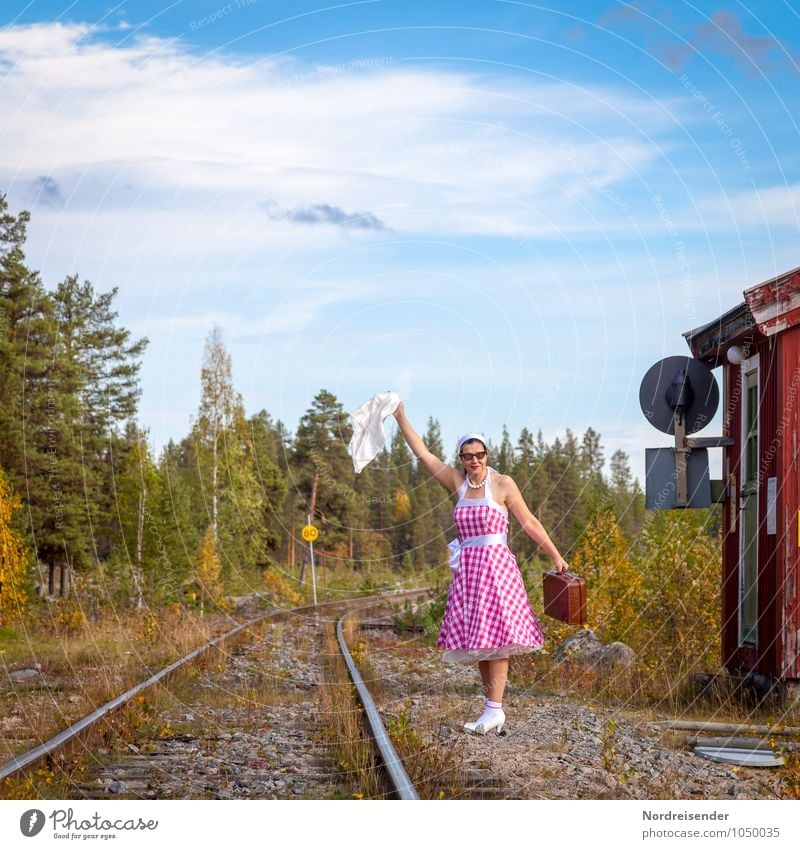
478 455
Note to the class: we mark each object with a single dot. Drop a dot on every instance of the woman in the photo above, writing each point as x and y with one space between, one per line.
487 617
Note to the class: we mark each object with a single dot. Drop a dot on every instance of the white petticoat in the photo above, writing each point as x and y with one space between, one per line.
477 655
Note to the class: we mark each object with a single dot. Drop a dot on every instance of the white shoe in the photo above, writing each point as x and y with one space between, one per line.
484 726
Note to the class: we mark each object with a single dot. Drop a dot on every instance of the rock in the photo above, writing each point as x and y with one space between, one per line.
246 604
117 787
24 674
576 645
615 657
585 650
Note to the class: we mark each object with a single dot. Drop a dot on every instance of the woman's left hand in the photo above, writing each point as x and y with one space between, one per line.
561 565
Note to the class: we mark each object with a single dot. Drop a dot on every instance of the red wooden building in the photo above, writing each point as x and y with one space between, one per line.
758 346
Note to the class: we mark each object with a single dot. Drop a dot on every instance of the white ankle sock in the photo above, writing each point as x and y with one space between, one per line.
490 711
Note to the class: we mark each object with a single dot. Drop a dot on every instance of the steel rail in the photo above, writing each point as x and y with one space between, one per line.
49 748
398 776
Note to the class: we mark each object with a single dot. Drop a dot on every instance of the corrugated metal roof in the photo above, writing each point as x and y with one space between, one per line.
716 322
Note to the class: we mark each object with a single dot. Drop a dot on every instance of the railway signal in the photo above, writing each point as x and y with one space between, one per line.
679 396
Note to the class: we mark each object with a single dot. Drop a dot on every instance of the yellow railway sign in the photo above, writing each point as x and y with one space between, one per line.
309 533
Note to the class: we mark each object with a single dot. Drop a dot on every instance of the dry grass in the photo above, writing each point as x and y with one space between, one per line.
663 692
435 766
45 710
55 777
340 711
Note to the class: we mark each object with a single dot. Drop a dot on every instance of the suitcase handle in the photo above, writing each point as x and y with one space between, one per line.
568 574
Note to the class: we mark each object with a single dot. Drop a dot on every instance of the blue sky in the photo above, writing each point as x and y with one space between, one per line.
505 212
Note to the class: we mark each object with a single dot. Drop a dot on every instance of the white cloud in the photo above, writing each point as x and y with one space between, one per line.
122 126
164 160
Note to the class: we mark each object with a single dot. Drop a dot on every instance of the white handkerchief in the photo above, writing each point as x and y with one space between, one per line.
369 435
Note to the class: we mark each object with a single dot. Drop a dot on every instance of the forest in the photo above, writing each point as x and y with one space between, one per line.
92 518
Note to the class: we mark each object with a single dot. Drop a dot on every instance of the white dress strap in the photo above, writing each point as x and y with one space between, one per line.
489 495
487 499
488 487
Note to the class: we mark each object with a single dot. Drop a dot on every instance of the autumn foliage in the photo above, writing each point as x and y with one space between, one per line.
13 558
659 593
208 571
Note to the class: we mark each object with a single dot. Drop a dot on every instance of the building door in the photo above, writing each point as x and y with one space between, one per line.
748 506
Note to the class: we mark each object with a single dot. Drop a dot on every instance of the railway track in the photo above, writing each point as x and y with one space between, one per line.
254 726
263 739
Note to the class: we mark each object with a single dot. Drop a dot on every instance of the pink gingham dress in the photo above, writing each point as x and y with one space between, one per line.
487 615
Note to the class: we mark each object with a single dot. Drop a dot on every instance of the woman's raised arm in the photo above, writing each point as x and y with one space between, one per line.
446 475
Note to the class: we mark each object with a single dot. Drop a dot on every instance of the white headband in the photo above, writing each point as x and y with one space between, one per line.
468 437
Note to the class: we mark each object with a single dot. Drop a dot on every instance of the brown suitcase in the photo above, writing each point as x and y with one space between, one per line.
565 597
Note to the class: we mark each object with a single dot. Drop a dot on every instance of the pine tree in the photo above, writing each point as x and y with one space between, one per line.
97 367
505 455
594 490
173 522
524 471
372 513
244 536
524 467
25 333
266 449
563 468
323 470
432 508
441 501
591 454
36 439
625 494
135 488
400 482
